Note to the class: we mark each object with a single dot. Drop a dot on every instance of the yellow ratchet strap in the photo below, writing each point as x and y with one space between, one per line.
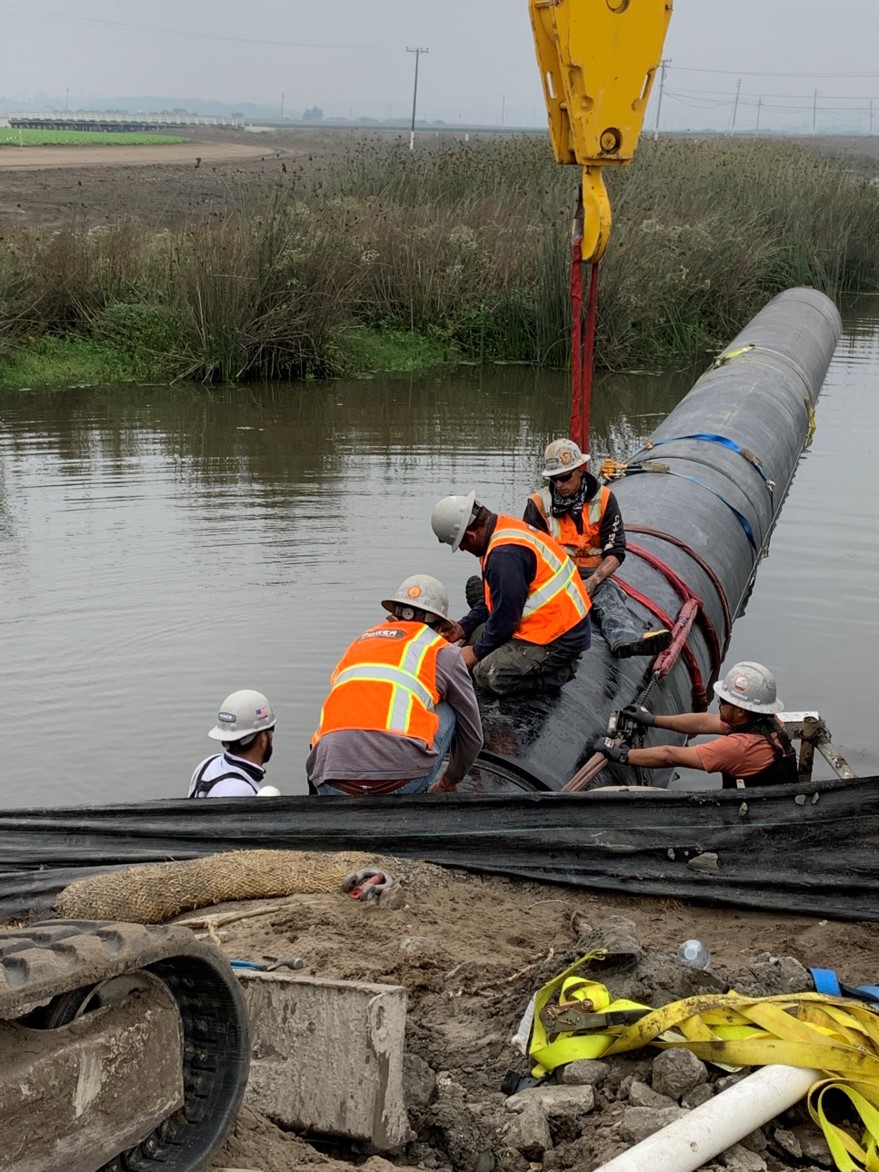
837 1036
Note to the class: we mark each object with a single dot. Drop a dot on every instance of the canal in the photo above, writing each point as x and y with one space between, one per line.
163 546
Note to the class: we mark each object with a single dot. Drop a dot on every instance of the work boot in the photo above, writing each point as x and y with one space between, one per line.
473 591
650 643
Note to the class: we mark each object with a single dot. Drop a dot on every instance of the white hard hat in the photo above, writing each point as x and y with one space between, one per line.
561 456
421 592
450 518
243 714
268 791
750 686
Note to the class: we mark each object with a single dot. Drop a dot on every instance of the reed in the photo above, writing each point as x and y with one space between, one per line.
463 247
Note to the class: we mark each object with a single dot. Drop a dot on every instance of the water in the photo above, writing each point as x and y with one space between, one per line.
161 547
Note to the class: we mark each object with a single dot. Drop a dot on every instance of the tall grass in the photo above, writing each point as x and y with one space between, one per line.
466 246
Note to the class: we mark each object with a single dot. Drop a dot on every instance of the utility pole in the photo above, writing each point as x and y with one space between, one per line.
735 108
814 110
417 53
759 104
663 65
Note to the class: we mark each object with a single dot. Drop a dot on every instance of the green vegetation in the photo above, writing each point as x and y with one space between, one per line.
12 136
384 260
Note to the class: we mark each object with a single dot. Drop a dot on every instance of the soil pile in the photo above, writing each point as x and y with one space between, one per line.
471 951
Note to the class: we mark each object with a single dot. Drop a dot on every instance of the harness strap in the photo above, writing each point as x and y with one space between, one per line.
687 595
706 568
700 697
724 442
664 470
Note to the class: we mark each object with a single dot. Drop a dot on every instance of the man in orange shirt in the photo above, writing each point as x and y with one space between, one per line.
752 747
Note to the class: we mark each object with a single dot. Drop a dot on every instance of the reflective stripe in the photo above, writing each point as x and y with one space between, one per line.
383 673
593 513
563 575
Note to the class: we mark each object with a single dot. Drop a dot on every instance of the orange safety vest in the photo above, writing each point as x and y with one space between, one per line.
386 682
557 599
585 547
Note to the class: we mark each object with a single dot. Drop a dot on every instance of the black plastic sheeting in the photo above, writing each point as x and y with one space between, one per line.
759 395
808 848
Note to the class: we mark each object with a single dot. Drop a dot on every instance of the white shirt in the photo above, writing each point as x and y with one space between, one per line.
241 779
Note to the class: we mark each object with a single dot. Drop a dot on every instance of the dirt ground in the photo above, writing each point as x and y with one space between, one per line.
53 188
471 950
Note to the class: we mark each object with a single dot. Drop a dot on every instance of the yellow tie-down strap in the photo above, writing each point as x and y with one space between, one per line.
838 1036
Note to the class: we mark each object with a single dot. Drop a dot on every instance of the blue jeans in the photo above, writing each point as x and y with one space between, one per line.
441 743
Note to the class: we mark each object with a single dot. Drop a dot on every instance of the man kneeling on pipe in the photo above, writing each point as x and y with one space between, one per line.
752 748
582 515
532 624
400 697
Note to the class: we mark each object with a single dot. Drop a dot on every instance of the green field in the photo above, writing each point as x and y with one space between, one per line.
10 136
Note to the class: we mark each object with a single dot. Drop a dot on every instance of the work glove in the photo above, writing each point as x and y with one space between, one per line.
640 715
612 750
367 884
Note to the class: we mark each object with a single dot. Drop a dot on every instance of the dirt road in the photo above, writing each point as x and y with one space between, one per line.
40 158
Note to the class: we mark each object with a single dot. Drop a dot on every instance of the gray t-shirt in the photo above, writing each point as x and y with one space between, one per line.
367 755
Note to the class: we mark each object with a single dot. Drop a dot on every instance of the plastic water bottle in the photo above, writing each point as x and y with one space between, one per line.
694 954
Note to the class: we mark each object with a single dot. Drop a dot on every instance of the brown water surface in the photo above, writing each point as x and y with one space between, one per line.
161 547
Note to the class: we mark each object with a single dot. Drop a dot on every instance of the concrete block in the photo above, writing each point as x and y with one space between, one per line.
327 1056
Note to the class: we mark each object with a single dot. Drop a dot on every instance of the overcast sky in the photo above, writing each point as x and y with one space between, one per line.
349 57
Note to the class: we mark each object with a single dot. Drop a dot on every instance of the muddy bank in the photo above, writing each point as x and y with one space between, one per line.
470 952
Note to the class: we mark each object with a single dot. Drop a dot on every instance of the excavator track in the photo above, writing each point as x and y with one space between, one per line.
51 975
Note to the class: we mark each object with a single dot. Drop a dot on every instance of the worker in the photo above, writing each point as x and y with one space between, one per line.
400 698
584 518
752 747
245 727
531 626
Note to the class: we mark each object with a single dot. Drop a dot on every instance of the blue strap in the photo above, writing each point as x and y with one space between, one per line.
711 438
740 517
826 981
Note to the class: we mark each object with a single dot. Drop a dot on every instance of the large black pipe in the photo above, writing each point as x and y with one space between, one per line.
708 505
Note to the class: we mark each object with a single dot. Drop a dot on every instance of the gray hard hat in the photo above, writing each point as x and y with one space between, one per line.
562 456
421 592
243 714
450 518
750 686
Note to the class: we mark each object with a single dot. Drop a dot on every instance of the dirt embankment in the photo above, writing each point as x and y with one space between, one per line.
471 951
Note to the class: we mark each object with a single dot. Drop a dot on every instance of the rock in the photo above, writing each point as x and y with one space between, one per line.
813 1145
555 1100
618 935
755 1142
740 1159
640 1095
677 1071
639 1122
787 1142
585 1072
729 1080
419 1081
529 1132
697 1096
769 975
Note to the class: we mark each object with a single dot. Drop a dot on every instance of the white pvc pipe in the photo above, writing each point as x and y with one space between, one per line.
708 1130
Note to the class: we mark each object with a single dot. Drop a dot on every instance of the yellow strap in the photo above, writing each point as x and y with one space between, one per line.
831 1034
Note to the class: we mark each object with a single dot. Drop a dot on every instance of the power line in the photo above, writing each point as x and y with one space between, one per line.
768 73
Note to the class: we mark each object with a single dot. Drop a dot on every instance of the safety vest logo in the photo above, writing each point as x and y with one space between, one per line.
383 633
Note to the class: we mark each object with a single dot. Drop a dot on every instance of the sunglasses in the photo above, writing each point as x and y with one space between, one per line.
563 479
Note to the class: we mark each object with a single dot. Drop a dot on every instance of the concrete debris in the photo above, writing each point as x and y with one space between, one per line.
697 1096
618 935
555 1100
641 1095
639 1122
739 1159
585 1072
677 1071
767 975
787 1142
529 1132
813 1145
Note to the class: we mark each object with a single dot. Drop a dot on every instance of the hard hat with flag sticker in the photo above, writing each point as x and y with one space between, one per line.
242 715
420 592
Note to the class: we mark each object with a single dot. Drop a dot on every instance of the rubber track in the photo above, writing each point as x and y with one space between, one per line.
63 958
